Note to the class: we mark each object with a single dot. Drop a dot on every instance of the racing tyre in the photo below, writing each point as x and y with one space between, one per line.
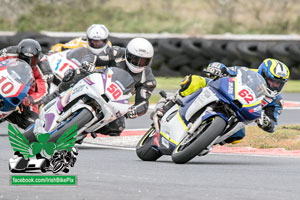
193 144
170 47
144 149
176 62
81 119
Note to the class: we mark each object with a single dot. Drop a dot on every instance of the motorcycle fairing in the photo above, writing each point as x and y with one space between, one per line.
13 87
204 98
187 102
245 113
60 63
113 105
170 137
210 114
166 144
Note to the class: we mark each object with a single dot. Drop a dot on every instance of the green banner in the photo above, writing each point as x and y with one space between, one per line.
43 180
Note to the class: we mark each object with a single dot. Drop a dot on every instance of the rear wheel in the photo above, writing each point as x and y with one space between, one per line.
144 149
191 145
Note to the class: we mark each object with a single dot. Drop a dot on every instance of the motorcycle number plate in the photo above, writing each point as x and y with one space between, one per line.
9 87
114 90
246 96
63 65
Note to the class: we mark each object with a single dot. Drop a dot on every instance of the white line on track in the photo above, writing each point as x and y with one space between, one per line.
100 146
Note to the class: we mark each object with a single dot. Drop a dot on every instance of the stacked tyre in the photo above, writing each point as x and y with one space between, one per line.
182 56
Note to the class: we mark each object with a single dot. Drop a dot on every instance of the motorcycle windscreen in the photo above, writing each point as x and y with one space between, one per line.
20 71
250 89
123 78
77 54
16 78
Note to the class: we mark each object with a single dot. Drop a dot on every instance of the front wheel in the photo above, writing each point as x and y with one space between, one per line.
81 119
192 145
144 148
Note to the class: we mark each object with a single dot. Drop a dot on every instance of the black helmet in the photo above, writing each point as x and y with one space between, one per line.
29 50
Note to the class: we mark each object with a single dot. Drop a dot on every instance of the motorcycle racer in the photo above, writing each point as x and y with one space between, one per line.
80 41
273 71
136 59
29 50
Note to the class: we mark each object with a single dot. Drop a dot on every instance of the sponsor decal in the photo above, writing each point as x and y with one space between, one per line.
230 88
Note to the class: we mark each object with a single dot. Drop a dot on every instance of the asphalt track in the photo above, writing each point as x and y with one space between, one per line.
105 173
118 174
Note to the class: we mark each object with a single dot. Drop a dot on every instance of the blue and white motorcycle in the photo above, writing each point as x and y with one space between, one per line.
195 123
15 80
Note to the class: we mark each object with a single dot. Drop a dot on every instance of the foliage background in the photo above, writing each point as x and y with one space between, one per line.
193 17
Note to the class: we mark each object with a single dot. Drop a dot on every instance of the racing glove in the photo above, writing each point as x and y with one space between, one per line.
132 113
265 123
216 70
28 101
90 67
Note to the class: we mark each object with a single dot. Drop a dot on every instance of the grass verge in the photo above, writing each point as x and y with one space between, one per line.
172 84
286 136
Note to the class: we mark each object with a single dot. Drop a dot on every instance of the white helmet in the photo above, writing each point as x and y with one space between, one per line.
138 55
97 36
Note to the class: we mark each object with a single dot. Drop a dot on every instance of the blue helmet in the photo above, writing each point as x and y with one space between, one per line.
275 73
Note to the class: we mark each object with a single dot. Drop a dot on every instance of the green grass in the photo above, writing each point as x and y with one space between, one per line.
193 17
292 86
168 83
153 99
172 84
287 136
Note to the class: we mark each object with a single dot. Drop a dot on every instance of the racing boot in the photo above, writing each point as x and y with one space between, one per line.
114 128
235 138
80 137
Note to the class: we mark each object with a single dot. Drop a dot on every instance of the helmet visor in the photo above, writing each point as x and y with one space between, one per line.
275 84
97 44
29 58
137 61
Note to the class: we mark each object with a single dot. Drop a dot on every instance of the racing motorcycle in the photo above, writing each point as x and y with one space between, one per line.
15 81
192 125
91 103
61 62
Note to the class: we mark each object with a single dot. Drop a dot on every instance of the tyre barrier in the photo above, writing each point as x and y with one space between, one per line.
182 56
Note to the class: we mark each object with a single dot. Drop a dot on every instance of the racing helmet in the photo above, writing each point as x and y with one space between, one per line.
138 55
97 37
276 75
29 50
